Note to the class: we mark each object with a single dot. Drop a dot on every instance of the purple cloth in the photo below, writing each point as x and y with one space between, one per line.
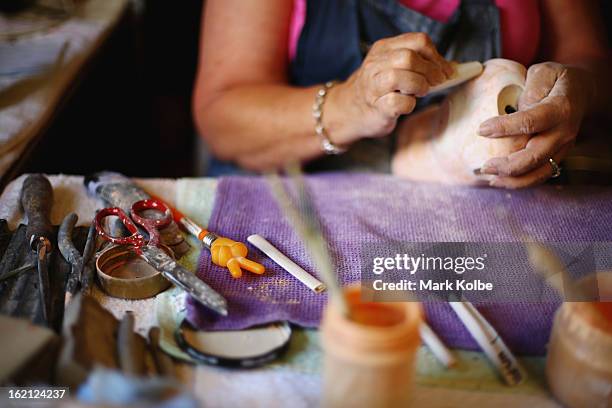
357 209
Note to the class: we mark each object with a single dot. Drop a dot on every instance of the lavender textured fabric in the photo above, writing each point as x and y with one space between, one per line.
357 209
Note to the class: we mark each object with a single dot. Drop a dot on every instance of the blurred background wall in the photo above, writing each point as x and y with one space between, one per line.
135 94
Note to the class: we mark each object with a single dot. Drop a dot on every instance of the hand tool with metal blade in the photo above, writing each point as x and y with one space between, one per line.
37 199
184 279
81 267
463 73
16 272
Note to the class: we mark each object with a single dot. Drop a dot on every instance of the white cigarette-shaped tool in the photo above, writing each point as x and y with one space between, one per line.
491 344
435 345
463 73
287 264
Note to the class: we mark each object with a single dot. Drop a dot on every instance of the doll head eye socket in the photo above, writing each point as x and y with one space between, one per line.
507 99
509 109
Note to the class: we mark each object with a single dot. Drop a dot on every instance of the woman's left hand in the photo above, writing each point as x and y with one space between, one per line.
551 109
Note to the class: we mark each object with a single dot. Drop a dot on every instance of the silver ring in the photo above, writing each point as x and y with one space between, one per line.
555 167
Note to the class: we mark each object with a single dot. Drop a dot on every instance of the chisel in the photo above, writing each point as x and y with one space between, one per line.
37 199
463 73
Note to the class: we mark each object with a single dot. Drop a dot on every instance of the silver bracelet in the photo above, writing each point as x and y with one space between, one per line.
317 113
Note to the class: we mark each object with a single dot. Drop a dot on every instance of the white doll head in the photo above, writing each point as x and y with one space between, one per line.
451 150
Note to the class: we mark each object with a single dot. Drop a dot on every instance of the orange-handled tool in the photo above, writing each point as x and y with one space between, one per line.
225 252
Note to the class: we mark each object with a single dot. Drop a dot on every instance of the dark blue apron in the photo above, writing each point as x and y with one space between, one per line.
337 34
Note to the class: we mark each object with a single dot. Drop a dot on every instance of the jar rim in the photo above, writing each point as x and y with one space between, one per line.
403 334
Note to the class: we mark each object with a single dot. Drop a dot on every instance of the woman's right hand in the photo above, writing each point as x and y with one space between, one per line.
395 71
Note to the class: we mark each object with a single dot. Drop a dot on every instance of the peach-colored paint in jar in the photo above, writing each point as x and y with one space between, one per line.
369 360
579 361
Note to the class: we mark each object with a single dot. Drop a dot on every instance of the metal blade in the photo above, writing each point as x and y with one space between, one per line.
17 271
184 279
43 282
87 272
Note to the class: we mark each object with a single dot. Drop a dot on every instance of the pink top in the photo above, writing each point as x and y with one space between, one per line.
520 24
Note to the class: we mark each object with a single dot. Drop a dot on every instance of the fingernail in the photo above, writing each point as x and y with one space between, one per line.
488 169
494 183
449 70
485 129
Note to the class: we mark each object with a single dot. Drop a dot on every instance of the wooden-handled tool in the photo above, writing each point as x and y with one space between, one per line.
37 199
131 348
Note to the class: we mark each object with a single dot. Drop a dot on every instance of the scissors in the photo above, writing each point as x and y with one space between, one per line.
153 252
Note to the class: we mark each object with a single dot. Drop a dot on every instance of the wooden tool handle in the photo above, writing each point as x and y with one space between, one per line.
130 349
70 254
37 199
163 362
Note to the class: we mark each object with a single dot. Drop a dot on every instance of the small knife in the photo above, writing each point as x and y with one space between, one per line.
184 279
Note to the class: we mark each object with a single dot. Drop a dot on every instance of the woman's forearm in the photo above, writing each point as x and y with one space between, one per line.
264 126
249 114
594 73
574 35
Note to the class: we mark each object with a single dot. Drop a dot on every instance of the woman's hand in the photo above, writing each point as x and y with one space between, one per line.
394 72
551 109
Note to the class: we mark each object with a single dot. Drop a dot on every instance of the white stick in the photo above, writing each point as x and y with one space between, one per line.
435 345
287 264
463 73
490 343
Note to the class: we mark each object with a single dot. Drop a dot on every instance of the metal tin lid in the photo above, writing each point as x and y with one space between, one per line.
123 273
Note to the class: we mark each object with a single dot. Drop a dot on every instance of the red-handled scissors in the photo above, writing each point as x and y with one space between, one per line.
151 225
153 252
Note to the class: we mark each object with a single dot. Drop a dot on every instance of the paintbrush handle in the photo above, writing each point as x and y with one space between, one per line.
490 342
436 346
287 264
